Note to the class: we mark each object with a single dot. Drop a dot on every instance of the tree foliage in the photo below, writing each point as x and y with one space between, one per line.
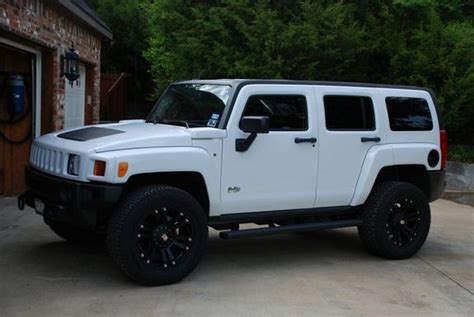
128 22
428 43
415 42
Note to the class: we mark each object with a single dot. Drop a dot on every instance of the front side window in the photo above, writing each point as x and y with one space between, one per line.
349 113
408 114
286 112
193 105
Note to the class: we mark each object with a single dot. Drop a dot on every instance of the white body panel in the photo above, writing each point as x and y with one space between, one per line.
386 155
341 153
275 173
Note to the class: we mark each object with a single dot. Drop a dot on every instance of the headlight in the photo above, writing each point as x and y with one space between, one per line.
73 164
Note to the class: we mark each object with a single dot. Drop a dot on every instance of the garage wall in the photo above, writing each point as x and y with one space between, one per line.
54 30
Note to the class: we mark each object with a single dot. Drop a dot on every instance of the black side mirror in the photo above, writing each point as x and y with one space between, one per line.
254 124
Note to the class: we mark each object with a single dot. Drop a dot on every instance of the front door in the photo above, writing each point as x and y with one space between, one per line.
75 101
276 172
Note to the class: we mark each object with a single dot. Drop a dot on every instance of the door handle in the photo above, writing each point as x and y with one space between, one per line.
374 139
308 140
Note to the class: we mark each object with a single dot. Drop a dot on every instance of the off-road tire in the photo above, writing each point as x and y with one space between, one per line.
123 234
74 234
382 217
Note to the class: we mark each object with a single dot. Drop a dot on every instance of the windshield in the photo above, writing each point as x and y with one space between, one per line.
191 105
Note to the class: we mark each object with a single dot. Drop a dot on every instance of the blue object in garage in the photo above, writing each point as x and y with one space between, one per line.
16 94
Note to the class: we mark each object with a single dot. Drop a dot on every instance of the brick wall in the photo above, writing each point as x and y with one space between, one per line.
51 27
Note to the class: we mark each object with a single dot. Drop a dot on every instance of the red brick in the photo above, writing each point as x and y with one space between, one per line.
53 29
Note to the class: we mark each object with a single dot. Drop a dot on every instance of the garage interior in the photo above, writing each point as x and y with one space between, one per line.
16 116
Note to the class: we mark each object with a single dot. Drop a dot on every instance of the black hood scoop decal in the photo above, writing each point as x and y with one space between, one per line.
89 133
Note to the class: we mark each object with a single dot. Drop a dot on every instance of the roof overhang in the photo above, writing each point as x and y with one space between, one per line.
91 20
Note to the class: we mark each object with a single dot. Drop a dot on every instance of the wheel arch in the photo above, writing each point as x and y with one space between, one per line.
189 181
394 162
415 174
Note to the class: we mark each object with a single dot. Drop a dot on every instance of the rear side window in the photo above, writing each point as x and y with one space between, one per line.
349 113
408 114
286 112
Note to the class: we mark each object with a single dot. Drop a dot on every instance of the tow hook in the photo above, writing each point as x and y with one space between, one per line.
24 199
21 202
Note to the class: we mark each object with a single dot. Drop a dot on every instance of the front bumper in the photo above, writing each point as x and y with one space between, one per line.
79 203
437 184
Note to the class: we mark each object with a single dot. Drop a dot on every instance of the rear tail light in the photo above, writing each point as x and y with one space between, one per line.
443 142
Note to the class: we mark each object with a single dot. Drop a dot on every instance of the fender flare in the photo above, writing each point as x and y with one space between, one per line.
376 158
384 155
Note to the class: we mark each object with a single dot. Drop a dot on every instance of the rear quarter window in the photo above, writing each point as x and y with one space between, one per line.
408 114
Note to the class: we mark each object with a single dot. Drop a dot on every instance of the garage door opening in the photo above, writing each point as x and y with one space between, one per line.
18 110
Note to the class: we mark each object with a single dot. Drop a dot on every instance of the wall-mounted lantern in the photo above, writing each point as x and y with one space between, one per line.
70 65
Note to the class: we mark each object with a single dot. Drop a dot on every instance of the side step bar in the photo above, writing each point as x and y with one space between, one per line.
255 232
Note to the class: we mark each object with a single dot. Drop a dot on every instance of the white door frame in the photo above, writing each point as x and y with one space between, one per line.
36 87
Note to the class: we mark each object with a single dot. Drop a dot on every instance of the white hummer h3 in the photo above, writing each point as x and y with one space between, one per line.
288 156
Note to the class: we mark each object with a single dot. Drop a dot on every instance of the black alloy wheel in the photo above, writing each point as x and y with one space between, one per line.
157 234
163 237
403 222
396 220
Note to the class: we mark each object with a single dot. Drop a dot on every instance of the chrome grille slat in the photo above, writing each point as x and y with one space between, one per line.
46 159
37 158
42 156
58 163
50 160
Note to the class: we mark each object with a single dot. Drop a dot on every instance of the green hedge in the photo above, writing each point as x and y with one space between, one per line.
461 153
415 42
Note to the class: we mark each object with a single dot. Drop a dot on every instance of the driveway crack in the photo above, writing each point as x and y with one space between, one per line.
445 275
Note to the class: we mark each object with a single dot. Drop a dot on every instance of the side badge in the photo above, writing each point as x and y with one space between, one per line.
233 189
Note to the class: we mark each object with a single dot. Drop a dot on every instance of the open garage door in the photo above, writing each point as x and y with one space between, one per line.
17 112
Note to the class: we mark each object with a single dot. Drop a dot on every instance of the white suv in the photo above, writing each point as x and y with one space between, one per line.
286 155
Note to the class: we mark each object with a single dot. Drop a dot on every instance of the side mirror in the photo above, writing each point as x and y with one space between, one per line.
254 124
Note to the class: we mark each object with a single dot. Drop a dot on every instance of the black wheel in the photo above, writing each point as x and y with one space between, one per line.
396 220
74 234
157 235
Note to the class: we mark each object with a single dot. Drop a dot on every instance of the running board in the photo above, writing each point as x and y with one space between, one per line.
255 232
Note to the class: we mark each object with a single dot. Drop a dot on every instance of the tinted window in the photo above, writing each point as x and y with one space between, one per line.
286 112
349 113
408 114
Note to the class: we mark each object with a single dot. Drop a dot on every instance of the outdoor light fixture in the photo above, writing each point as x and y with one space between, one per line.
70 65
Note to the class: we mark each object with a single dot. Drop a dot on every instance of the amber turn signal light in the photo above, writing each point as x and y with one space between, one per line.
122 169
99 168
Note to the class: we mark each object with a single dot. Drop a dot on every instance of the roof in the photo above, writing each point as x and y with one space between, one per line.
237 84
83 12
244 82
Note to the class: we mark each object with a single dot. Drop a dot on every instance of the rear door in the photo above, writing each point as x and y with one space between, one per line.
348 129
275 173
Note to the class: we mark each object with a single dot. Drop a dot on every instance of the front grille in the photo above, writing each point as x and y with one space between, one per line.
47 159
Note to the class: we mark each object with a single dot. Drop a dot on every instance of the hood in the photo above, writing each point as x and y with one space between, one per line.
126 135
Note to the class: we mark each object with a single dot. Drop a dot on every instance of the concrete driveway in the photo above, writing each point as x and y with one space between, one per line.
290 275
